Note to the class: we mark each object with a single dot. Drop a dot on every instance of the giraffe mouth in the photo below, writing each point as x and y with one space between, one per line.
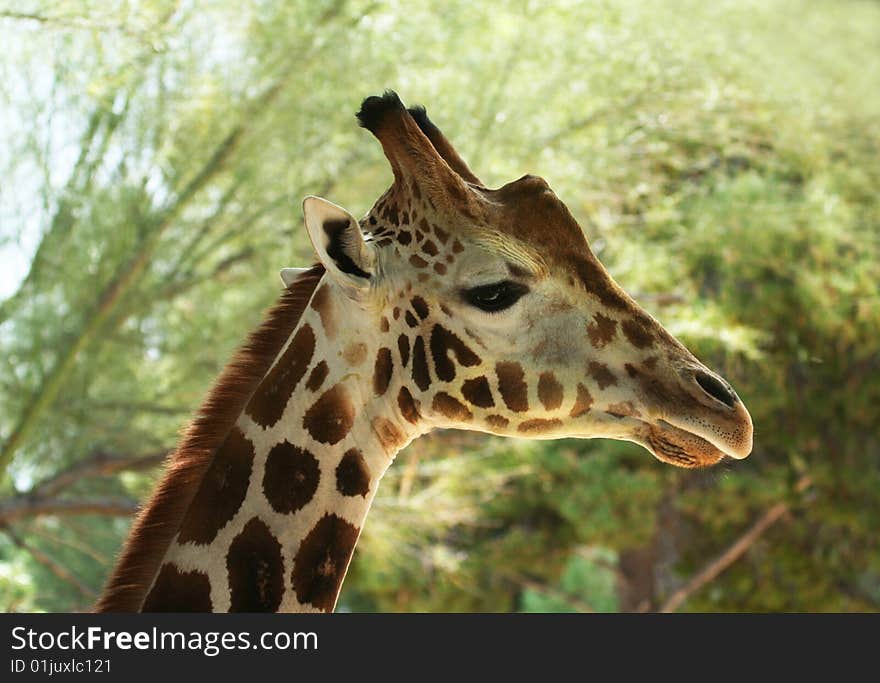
668 443
679 447
673 445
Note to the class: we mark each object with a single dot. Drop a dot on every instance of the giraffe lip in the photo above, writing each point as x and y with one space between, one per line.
729 434
679 446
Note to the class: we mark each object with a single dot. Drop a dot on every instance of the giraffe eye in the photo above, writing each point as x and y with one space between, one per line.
495 297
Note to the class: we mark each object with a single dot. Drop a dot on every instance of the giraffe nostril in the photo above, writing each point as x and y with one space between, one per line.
716 388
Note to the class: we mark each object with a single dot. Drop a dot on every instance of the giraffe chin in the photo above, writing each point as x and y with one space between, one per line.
675 446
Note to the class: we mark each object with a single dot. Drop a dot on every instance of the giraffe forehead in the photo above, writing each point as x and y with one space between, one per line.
522 222
528 211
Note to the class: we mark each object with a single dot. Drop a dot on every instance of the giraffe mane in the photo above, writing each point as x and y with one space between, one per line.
158 522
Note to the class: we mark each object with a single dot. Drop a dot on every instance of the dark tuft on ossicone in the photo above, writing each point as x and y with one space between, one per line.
375 108
420 114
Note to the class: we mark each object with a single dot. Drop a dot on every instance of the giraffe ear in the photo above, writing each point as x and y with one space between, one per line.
340 245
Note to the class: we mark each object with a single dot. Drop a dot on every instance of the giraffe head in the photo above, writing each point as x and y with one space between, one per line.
491 312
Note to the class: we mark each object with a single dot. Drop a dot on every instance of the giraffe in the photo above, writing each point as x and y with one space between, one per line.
449 305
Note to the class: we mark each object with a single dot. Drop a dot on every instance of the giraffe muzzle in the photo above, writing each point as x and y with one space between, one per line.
711 412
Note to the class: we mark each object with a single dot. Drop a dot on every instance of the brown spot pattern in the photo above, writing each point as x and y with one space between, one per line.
451 407
177 591
221 492
582 403
256 570
417 261
407 405
477 392
420 365
390 214
497 422
290 478
355 353
330 418
598 282
550 391
352 474
270 399
403 348
411 319
602 330
382 371
637 333
623 409
389 435
322 560
512 385
420 306
443 341
317 376
537 426
603 376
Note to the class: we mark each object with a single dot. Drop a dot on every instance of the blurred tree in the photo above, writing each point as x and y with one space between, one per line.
724 167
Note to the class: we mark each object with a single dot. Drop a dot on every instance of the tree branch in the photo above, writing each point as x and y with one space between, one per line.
732 553
38 529
25 508
97 465
42 499
50 564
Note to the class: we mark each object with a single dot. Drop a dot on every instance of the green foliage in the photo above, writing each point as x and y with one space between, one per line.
586 582
721 156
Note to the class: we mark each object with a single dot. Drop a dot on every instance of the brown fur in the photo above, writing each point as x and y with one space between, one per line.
158 522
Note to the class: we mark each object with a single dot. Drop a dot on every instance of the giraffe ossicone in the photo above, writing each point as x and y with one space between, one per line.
449 305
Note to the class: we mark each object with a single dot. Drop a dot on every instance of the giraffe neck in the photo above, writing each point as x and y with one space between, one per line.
274 522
